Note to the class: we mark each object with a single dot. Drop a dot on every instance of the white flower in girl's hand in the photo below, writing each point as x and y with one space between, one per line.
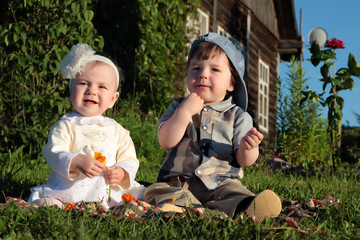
75 59
97 153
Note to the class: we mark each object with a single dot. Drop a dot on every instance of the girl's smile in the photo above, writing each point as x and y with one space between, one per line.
89 102
94 90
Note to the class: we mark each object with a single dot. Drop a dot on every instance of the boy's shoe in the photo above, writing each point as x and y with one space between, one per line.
167 207
266 204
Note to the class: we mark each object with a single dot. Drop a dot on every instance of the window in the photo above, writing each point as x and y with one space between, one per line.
200 25
222 32
263 100
237 43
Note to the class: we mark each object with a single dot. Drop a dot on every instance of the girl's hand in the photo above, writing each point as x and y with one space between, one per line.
251 140
115 175
87 165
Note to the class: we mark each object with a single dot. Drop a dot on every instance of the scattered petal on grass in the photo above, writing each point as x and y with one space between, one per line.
70 206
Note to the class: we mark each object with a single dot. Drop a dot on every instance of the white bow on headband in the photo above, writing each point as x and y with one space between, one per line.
78 57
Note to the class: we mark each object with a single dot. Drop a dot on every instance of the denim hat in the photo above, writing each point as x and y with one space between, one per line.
236 58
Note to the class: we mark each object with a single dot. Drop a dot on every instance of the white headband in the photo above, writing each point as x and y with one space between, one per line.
78 57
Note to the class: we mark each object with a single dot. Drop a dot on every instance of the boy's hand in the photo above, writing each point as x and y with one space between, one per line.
251 140
87 165
172 131
192 104
115 175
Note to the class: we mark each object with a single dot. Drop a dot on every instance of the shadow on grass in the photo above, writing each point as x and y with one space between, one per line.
13 188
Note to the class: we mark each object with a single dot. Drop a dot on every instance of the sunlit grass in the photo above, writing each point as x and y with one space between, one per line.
340 222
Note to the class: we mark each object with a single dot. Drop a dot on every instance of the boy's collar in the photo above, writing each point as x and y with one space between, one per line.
223 106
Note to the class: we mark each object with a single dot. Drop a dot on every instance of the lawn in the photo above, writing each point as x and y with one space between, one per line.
338 220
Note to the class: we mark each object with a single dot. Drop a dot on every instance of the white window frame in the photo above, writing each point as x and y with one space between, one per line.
263 96
222 32
237 43
200 24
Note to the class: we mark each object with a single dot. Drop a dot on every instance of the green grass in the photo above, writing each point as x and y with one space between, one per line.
342 222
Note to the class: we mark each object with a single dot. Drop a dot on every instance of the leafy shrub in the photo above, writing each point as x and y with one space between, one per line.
160 57
350 145
302 135
148 40
34 40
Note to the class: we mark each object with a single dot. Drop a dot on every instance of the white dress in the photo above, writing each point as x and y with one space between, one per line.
75 134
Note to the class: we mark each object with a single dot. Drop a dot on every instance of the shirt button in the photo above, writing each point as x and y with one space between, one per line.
198 172
204 127
205 109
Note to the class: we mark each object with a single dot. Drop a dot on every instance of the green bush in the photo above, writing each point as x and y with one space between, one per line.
33 41
302 135
350 145
161 54
149 41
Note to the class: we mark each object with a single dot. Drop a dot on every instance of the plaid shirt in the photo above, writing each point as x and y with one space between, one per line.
210 151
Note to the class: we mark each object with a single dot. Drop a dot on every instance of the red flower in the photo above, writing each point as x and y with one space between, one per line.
70 206
334 43
127 198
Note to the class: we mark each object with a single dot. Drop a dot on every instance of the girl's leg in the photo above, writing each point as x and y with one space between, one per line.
48 202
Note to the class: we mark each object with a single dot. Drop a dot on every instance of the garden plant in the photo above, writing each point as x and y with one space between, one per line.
302 135
339 80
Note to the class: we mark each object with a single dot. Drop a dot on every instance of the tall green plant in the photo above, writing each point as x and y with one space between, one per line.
301 131
33 41
337 80
160 57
